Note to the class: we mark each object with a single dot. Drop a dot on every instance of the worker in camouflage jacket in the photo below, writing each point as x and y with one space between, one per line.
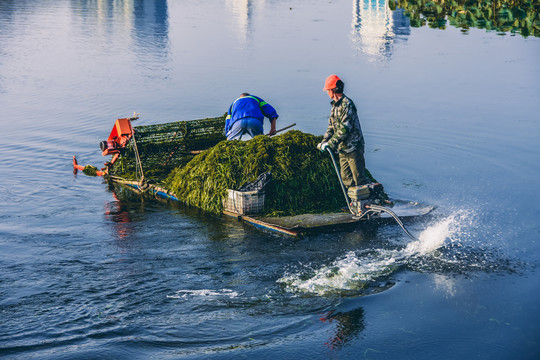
344 134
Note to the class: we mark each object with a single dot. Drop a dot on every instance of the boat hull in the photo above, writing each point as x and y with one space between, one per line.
295 226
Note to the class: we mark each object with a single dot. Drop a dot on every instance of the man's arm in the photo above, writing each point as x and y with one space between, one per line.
273 126
343 126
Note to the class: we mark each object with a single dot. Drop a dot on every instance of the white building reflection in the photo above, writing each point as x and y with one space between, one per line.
243 14
376 28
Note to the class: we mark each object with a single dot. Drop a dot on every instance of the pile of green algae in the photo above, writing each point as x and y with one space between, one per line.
303 179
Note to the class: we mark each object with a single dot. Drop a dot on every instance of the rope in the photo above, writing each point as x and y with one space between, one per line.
138 160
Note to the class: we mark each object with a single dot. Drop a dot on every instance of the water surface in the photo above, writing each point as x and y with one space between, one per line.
450 119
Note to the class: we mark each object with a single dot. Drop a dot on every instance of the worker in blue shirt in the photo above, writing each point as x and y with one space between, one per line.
246 115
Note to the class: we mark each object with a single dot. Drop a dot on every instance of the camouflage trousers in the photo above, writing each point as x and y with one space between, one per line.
353 166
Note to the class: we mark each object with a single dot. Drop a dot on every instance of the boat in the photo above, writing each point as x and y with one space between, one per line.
136 149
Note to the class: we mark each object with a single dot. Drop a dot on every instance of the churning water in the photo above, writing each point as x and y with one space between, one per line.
363 271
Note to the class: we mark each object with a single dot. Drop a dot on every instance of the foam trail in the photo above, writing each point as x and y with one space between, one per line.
205 293
356 270
350 273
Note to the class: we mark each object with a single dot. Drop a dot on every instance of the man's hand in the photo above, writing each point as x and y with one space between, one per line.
322 146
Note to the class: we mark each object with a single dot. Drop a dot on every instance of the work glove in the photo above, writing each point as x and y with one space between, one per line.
322 146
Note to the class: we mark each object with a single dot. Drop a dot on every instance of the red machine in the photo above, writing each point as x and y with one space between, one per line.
119 137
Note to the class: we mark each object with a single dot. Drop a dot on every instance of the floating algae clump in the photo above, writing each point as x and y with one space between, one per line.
90 170
303 178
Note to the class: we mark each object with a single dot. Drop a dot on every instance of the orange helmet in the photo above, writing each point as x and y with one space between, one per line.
331 82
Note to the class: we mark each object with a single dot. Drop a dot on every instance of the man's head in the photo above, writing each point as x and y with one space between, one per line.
334 83
334 87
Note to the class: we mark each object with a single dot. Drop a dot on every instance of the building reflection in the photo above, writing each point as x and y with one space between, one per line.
143 22
151 25
242 13
376 28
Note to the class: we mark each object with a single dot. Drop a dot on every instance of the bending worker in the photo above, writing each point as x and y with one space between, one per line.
246 115
344 134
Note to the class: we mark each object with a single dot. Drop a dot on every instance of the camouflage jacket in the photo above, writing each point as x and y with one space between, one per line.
344 133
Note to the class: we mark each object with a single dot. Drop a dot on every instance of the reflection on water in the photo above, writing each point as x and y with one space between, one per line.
151 26
348 326
143 22
445 283
81 51
242 13
119 217
375 28
504 16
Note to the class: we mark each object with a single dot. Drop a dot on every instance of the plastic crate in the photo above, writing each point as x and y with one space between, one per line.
244 202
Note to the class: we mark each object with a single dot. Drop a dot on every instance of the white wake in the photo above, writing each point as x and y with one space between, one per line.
356 270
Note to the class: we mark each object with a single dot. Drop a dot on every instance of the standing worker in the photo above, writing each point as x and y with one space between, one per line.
246 115
344 134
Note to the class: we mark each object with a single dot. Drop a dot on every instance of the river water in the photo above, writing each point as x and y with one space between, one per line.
450 117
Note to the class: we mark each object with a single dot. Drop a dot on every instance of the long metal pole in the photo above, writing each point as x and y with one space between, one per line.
341 181
285 128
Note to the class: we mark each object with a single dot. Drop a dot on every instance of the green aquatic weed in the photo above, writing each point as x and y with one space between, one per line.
304 180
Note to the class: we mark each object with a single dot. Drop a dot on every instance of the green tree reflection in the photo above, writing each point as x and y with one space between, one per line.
504 16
